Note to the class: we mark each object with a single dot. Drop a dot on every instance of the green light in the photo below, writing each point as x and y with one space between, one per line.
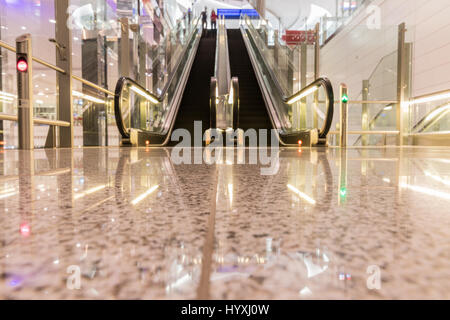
344 98
343 192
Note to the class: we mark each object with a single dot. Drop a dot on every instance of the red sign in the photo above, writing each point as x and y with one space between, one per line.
295 37
22 65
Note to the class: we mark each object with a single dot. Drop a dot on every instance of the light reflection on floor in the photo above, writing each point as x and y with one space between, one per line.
134 224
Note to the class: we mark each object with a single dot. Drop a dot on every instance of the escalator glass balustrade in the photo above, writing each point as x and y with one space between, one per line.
146 117
299 116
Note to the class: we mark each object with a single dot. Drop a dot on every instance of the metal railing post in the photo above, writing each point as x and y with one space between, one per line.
316 72
64 80
124 62
365 113
302 84
401 65
25 92
343 115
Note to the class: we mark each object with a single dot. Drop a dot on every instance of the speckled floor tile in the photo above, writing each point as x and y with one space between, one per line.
135 225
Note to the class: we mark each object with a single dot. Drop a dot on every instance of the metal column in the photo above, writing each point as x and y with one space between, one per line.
275 48
64 81
401 67
303 84
343 115
316 74
261 8
317 53
365 113
124 66
25 92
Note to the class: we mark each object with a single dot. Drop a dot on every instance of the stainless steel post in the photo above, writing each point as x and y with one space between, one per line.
343 115
124 66
365 113
303 84
64 81
401 65
316 73
25 92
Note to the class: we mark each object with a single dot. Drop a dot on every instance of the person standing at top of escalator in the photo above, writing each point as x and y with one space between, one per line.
213 20
205 19
189 14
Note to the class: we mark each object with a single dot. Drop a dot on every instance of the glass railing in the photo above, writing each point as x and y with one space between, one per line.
283 59
345 11
138 109
430 114
293 112
379 112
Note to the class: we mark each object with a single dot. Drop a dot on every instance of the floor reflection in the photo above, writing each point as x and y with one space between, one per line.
134 223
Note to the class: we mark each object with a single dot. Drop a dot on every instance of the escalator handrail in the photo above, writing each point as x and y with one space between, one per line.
425 123
160 98
323 81
117 108
329 101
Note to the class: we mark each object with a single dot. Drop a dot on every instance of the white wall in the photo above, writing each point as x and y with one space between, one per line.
354 53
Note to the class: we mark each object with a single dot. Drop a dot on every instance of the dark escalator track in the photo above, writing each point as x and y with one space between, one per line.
253 113
195 102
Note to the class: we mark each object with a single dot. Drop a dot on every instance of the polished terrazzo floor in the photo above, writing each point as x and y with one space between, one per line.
136 224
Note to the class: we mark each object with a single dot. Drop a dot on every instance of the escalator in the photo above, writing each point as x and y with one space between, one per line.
255 101
253 113
146 119
195 103
303 118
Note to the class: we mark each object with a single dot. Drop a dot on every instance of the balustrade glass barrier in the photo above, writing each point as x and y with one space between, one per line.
292 110
284 60
344 11
144 110
376 107
430 114
144 41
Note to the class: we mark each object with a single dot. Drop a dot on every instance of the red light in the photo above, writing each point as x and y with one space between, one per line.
147 142
22 65
25 229
300 142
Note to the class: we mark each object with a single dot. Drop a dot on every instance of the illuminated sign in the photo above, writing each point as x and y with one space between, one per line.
237 13
294 37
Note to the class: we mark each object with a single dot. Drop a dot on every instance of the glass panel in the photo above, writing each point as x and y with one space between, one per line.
8 98
45 94
95 41
283 60
30 16
281 67
40 24
344 11
137 111
90 106
432 116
